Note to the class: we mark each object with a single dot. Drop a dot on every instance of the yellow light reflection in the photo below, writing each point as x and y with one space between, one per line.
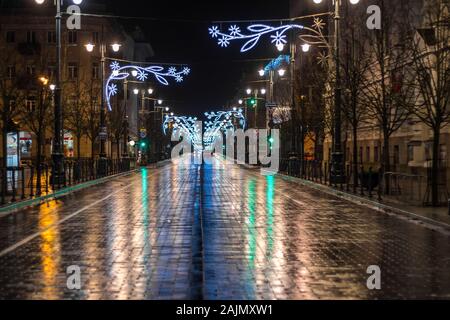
50 250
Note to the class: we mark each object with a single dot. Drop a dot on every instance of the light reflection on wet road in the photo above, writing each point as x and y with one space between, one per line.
215 232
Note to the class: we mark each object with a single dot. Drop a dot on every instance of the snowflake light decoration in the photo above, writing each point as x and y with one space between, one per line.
220 122
188 127
255 33
160 73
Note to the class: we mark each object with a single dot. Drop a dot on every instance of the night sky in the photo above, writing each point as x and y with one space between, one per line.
215 71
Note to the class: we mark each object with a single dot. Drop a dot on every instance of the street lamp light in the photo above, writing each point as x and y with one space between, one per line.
115 47
136 91
263 91
249 91
281 72
90 47
150 91
306 47
262 72
43 80
337 157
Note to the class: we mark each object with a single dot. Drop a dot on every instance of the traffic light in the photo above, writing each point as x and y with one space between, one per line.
143 144
252 102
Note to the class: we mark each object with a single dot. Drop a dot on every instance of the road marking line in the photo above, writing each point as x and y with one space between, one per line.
37 234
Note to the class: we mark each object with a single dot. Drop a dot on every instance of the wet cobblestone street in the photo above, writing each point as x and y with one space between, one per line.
216 232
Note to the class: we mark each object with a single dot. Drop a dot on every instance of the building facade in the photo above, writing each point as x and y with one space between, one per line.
28 52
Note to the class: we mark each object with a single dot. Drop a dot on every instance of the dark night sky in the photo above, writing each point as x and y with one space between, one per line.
215 71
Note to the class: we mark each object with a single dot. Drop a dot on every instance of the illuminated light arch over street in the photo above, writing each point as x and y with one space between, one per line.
255 32
220 122
160 73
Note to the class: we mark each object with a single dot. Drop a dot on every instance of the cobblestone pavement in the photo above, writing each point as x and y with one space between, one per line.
215 232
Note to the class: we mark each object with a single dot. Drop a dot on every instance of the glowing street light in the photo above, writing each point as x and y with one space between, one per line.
306 47
44 80
116 47
90 47
281 72
150 91
262 72
136 91
249 91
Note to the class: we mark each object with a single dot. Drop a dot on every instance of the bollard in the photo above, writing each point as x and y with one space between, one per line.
22 170
4 185
370 182
362 181
13 185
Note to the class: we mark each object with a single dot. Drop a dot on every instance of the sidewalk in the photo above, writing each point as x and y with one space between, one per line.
54 195
433 217
436 218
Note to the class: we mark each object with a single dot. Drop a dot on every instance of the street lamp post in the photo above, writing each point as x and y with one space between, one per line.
337 156
103 130
58 174
125 153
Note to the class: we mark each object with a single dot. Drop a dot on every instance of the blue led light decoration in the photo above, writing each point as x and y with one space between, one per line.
219 123
276 63
188 126
160 73
255 32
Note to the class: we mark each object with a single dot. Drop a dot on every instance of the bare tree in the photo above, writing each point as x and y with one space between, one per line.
384 94
37 112
431 65
77 107
355 64
93 93
116 124
11 97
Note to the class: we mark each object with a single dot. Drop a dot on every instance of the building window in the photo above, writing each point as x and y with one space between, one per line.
12 105
73 71
410 153
376 154
361 150
31 104
51 37
10 37
31 70
368 158
31 37
443 154
51 71
95 37
95 104
73 37
396 155
11 72
95 71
